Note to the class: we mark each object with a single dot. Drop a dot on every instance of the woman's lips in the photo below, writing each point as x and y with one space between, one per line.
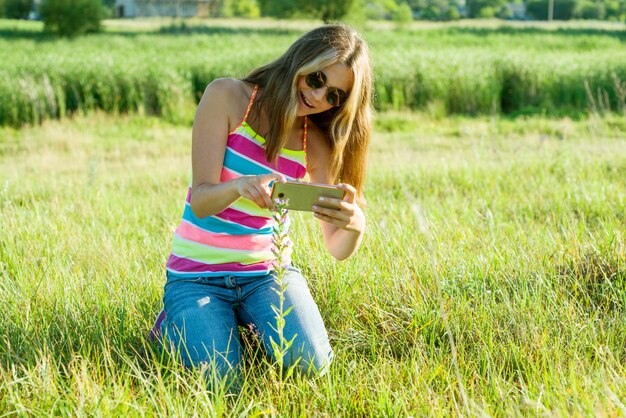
305 101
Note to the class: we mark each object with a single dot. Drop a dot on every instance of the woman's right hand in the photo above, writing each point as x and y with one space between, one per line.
257 189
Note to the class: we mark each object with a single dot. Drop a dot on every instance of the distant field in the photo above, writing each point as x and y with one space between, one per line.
162 66
505 234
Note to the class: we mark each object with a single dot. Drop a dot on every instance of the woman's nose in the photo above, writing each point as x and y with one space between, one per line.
319 93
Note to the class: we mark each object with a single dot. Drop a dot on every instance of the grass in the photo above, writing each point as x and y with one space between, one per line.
510 229
161 67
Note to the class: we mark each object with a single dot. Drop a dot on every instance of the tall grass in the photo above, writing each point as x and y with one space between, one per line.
511 230
470 70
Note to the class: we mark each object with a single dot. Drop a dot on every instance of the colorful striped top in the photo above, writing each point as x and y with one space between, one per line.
237 240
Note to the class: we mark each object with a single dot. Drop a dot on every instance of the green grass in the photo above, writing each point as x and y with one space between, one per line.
161 67
510 229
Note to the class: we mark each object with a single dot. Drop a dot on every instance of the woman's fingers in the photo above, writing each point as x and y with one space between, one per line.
350 192
343 213
274 177
256 188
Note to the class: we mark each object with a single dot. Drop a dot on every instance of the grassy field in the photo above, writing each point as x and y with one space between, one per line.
492 279
161 67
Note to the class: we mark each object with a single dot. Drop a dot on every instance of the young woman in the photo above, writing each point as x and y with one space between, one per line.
306 112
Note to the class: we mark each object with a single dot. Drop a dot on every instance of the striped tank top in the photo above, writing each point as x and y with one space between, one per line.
237 240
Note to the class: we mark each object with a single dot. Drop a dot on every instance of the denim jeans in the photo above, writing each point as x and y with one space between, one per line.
202 316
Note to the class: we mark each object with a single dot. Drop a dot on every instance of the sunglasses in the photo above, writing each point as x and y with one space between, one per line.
334 96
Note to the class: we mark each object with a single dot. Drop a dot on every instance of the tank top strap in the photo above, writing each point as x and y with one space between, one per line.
304 136
256 88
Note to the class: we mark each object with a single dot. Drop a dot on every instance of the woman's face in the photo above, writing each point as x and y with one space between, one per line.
313 100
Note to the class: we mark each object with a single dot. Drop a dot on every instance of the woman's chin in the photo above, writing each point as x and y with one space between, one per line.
303 110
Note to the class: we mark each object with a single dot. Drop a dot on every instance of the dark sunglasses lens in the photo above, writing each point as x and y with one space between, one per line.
332 98
336 97
316 80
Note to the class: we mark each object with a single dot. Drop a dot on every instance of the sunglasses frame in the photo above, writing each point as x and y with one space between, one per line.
317 80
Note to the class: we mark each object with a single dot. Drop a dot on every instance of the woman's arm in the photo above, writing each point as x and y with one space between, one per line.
342 220
219 108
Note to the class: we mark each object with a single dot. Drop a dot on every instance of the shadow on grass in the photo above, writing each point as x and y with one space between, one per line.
177 29
571 32
13 34
184 29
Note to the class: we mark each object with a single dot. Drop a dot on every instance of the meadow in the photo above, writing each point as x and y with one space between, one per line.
163 70
492 278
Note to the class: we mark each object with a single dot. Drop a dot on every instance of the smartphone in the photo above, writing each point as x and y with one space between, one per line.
302 196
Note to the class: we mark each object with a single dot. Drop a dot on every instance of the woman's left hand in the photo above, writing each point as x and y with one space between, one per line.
343 213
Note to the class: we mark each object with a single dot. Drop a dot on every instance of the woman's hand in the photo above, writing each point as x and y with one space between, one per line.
256 188
342 213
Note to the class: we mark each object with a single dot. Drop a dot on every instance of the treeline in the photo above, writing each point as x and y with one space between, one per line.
396 10
407 10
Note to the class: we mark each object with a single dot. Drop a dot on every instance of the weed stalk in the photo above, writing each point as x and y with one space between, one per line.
281 250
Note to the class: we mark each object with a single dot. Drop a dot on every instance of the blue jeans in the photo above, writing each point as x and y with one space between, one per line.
202 316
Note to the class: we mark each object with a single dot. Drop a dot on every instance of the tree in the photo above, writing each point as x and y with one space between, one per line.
72 17
278 8
483 8
327 10
563 9
239 8
17 9
247 8
589 10
332 9
402 14
436 9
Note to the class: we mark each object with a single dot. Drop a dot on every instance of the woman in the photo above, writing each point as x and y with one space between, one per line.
306 112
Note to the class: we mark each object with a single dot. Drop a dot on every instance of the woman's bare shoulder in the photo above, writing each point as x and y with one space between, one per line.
231 89
230 95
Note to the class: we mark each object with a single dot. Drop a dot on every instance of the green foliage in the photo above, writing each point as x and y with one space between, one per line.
435 9
277 8
70 18
486 12
327 10
356 15
585 9
504 12
451 13
483 8
402 14
226 9
379 9
17 9
563 9
431 12
331 9
614 9
247 8
240 8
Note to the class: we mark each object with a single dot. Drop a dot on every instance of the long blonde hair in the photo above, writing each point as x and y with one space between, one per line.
347 128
